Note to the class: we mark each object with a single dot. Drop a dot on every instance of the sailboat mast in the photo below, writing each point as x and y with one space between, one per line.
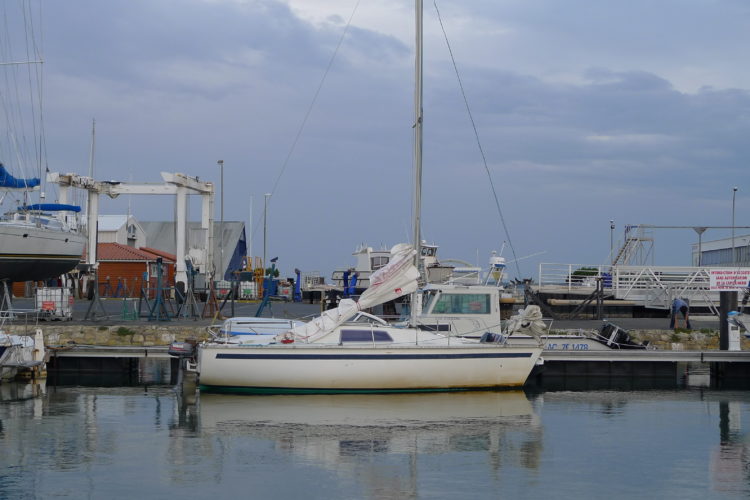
91 174
418 134
415 308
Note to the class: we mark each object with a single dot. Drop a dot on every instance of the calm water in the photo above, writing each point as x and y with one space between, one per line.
141 442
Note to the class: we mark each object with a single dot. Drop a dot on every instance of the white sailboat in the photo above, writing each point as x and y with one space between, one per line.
37 245
331 354
37 240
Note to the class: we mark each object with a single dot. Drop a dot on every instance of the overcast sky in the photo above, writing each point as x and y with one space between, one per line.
586 111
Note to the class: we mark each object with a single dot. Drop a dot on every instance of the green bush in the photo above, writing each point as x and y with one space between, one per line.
586 271
123 331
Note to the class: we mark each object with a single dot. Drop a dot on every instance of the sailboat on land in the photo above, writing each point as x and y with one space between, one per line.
333 354
37 240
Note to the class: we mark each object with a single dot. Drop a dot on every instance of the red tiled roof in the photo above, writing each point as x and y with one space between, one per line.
119 252
160 253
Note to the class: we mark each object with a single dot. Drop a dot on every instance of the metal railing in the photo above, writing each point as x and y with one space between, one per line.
650 286
572 276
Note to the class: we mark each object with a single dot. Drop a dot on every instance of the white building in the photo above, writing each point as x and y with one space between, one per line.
719 252
123 229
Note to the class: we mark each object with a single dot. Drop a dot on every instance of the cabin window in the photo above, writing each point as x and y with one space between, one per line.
365 336
378 262
462 303
429 251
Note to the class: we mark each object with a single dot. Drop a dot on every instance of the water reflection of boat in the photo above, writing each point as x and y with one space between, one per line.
356 410
19 391
21 353
350 433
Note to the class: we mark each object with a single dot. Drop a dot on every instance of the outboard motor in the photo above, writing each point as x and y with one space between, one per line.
615 337
182 349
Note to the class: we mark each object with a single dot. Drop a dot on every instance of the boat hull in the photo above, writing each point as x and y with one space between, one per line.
333 369
29 253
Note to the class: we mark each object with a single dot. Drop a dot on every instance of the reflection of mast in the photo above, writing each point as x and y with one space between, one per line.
413 471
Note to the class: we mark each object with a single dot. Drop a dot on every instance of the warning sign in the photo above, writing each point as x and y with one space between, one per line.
729 279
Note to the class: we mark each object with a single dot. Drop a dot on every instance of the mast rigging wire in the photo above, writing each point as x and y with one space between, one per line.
309 111
479 143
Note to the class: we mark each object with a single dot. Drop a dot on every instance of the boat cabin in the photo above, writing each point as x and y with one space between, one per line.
460 310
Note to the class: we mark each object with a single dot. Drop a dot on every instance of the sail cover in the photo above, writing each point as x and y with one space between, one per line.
395 279
51 207
9 182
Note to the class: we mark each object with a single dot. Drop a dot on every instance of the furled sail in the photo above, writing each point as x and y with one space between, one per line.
395 279
527 321
7 181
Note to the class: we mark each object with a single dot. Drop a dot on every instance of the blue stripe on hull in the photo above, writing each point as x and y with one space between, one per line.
374 356
220 389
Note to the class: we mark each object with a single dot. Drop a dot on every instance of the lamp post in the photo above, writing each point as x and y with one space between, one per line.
611 240
265 228
221 230
734 193
700 231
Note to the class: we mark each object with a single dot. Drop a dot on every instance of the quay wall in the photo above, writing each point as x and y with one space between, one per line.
60 334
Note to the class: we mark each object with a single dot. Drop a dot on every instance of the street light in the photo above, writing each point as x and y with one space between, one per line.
611 240
700 231
265 228
221 230
734 193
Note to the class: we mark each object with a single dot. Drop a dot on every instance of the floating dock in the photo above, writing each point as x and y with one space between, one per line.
635 367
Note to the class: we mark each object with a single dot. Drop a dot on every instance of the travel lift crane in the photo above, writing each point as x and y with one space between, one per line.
176 184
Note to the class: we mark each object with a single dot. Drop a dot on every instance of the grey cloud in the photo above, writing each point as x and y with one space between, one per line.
176 85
